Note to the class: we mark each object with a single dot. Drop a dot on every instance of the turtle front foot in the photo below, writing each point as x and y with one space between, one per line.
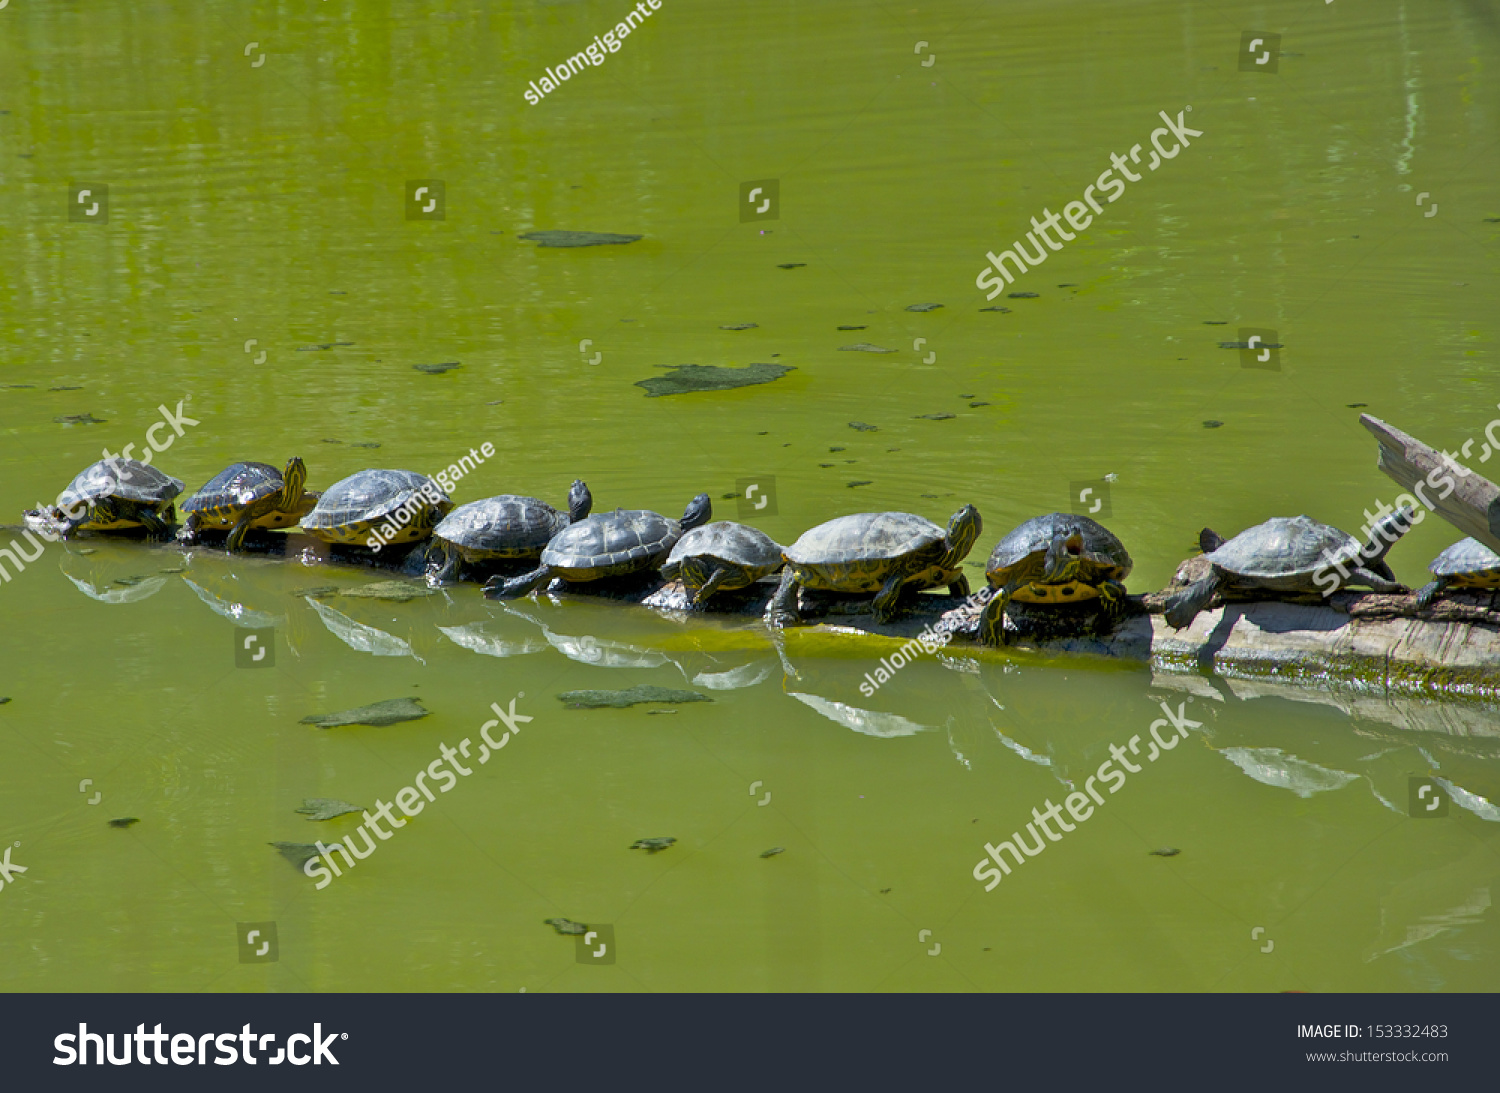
780 620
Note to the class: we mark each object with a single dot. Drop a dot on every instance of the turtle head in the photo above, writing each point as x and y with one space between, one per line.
700 511
580 501
963 530
294 481
1064 556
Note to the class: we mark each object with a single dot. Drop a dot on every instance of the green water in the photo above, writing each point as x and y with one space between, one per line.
264 201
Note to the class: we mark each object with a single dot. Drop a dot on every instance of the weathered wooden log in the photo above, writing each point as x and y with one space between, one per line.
1473 505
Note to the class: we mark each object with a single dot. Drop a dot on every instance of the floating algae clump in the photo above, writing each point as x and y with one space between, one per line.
576 239
686 378
593 700
389 712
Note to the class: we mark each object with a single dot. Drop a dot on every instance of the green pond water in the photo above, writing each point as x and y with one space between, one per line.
260 161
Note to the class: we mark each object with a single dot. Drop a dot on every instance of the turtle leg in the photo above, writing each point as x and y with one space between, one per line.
189 532
1183 608
1428 592
782 610
443 563
1362 575
959 587
889 596
992 620
692 573
497 589
1112 598
155 526
710 586
236 540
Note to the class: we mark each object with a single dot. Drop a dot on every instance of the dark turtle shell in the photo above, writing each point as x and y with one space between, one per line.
737 545
509 525
506 526
232 490
351 510
721 556
1466 558
1022 553
125 479
1285 548
612 544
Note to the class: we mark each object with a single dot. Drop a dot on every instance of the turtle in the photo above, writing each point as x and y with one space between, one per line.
115 494
1057 558
1468 563
378 507
245 496
880 552
1291 555
507 526
721 556
607 544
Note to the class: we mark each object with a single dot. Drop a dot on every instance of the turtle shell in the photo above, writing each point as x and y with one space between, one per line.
1466 557
611 544
864 537
232 490
351 509
128 479
507 526
1284 548
1023 552
857 553
737 544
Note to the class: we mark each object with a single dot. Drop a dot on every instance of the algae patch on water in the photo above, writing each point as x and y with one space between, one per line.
389 712
685 378
594 700
576 239
325 808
